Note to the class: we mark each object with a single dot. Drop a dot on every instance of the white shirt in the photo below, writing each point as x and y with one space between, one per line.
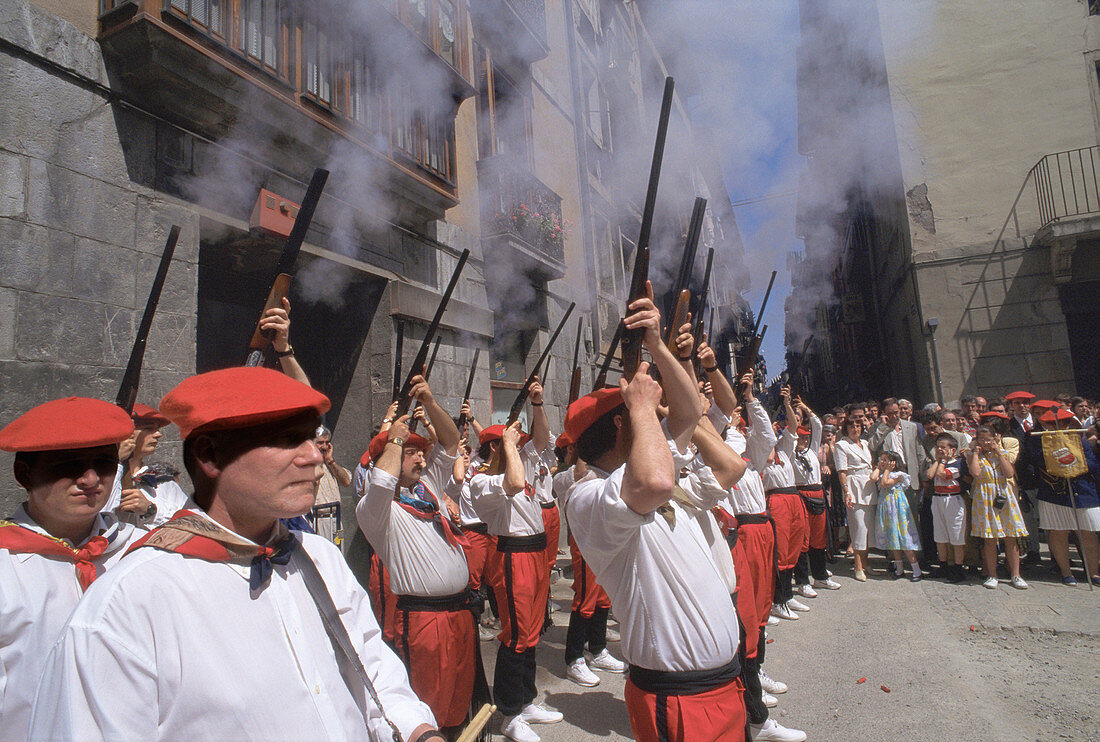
788 442
513 515
168 497
855 460
747 496
172 647
37 594
698 482
778 473
761 439
674 608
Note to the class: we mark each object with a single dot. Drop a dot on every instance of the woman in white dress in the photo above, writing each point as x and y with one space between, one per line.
853 465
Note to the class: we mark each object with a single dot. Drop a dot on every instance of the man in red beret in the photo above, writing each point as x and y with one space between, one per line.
1019 404
403 513
57 542
679 626
221 624
510 505
145 495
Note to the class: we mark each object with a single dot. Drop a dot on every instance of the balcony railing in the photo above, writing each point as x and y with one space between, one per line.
517 204
1066 184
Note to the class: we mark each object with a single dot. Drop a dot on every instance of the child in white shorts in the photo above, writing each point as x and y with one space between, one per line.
949 507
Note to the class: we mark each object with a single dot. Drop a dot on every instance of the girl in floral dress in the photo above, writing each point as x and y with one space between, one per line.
995 512
897 531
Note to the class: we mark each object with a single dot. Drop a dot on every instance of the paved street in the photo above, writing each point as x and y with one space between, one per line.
961 663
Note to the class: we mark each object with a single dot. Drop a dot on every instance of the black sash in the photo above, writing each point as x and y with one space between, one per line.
548 505
748 519
686 683
477 528
782 491
443 604
536 542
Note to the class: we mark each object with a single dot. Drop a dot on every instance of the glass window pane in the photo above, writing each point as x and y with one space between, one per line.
447 32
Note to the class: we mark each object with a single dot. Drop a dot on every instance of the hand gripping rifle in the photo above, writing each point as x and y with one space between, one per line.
678 308
127 391
632 339
463 418
748 358
404 401
601 376
496 462
700 311
280 287
427 376
575 377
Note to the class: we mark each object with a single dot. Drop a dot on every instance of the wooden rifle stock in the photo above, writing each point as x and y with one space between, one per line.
632 339
575 376
496 462
463 418
680 315
280 287
601 376
131 379
418 364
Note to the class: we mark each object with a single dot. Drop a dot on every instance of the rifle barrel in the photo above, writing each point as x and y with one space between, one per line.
601 376
763 304
462 419
517 406
127 391
398 351
302 221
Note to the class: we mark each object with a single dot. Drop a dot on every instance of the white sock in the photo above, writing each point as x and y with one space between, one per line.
916 569
900 566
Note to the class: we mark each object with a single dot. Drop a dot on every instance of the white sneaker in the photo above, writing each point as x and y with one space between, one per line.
990 582
771 686
828 573
536 713
806 591
798 605
516 729
782 610
827 584
772 620
579 673
486 634
613 635
769 700
1018 583
604 661
772 731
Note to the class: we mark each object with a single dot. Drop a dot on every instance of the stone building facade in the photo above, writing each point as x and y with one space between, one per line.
949 206
446 125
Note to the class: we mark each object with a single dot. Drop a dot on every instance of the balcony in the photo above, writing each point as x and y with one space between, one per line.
521 211
515 30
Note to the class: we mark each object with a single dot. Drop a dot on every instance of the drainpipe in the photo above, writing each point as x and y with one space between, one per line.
933 323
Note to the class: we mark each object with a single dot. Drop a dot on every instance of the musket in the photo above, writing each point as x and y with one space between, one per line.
700 308
496 462
748 359
127 391
575 377
632 339
418 367
601 376
677 312
398 350
427 376
280 287
462 419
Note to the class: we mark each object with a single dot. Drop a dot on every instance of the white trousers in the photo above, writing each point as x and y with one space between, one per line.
949 519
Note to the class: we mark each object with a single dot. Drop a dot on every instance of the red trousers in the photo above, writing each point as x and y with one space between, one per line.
438 649
754 563
551 523
792 532
477 556
382 600
521 583
712 716
587 594
816 523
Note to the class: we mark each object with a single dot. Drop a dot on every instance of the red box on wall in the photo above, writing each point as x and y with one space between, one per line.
273 215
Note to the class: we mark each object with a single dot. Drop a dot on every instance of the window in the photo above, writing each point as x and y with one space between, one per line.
319 72
260 31
416 15
362 106
503 113
447 47
204 13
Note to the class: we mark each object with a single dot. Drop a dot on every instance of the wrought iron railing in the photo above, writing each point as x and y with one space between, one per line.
516 203
1066 184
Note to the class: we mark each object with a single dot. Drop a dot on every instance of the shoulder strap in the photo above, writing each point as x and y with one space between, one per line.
334 627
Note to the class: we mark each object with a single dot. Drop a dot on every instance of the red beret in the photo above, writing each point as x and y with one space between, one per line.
564 441
238 398
147 415
1057 415
378 445
1022 396
588 409
495 433
804 431
63 424
994 413
1045 404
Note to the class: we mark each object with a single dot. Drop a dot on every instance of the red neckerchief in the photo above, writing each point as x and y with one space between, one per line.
17 539
193 535
450 532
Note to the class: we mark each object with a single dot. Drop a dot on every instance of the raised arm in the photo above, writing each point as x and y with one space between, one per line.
540 426
277 320
649 474
727 466
515 479
720 387
446 431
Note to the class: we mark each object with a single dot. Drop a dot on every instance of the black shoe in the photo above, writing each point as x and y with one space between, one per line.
956 575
